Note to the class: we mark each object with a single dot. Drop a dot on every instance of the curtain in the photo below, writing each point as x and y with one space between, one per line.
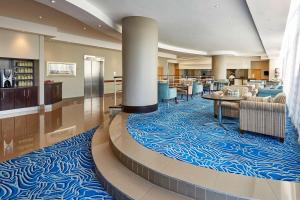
290 63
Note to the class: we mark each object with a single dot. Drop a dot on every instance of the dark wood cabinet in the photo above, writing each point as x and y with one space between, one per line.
53 93
7 99
32 99
20 98
14 98
26 97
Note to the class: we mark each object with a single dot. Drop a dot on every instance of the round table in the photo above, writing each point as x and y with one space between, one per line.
219 99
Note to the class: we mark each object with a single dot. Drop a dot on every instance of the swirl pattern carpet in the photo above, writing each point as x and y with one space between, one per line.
62 171
179 131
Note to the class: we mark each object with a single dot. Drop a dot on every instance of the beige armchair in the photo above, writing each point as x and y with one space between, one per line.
260 116
231 109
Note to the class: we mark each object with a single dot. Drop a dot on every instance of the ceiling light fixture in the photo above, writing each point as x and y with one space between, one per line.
40 17
99 25
84 28
53 1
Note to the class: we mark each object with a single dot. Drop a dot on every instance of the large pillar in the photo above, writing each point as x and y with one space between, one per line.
219 67
139 61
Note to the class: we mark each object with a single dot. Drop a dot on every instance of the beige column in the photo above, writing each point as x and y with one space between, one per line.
41 69
219 67
139 58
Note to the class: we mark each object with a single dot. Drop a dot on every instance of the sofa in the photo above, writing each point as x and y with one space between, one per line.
165 92
264 115
232 108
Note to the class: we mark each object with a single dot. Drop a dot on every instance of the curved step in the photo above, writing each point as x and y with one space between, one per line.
118 180
189 180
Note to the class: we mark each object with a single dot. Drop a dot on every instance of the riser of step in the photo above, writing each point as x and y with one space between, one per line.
145 168
118 180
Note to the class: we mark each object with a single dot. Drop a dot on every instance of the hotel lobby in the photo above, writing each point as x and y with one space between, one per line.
150 100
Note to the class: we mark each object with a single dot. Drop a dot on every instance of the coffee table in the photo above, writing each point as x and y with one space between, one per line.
219 99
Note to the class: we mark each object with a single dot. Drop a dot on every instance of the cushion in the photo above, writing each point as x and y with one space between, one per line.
260 99
279 98
279 87
231 105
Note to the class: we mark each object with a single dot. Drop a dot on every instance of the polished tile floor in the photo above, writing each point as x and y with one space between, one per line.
25 133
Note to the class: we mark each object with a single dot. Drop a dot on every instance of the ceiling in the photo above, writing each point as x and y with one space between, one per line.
203 27
270 19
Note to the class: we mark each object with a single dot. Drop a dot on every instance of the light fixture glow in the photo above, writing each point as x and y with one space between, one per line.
53 1
40 17
99 25
84 28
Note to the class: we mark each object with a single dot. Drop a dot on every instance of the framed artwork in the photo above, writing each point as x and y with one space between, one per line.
61 69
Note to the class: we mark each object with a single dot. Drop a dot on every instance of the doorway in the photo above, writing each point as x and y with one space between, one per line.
93 76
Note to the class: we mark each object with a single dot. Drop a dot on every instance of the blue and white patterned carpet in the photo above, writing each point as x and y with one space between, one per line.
178 131
62 171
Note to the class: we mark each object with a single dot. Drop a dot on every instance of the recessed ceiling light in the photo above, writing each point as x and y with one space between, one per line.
84 28
99 25
40 17
53 1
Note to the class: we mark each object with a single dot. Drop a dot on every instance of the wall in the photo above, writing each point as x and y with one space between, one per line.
67 52
238 62
19 45
262 65
273 64
163 63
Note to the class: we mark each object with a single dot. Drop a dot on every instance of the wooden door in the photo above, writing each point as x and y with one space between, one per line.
21 98
58 92
160 71
256 74
32 99
7 99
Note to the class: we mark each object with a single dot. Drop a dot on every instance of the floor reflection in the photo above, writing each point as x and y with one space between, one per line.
23 134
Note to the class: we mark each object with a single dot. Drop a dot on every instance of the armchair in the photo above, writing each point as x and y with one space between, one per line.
166 93
197 88
263 117
231 109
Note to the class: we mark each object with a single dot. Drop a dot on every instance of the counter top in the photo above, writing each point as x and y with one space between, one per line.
18 87
53 83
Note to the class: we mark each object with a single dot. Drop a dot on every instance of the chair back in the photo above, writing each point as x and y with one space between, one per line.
163 89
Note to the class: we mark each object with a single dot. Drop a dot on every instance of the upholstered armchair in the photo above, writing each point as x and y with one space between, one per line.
232 108
166 93
197 88
264 116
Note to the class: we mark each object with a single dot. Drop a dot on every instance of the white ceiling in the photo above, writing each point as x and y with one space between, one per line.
270 18
204 27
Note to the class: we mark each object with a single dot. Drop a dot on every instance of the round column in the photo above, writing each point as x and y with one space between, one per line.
219 67
139 61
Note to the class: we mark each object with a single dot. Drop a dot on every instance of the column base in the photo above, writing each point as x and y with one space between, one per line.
140 109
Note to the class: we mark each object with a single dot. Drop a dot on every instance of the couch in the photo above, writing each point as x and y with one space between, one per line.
232 108
264 115
165 92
